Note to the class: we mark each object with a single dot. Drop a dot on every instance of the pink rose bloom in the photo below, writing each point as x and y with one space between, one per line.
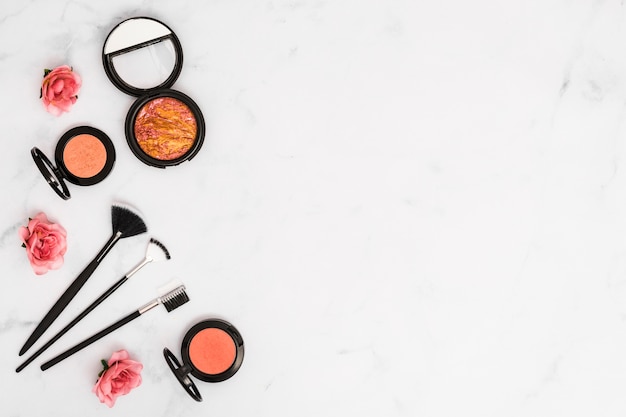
119 377
59 89
44 242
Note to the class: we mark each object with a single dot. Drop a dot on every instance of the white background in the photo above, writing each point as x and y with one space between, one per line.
407 208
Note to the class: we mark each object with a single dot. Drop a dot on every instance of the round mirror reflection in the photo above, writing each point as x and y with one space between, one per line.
148 66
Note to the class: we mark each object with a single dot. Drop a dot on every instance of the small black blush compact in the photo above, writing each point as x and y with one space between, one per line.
84 155
212 351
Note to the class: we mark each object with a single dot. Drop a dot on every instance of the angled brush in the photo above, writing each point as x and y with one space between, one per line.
155 252
171 301
126 223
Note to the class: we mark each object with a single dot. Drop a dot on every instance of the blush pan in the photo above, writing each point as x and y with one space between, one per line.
84 155
212 351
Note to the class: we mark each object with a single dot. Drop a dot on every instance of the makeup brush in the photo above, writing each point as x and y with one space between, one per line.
171 301
126 223
155 252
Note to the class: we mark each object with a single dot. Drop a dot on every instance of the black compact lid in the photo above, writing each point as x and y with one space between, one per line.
133 34
50 173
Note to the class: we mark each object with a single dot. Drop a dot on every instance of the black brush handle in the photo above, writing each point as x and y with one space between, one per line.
132 316
71 324
68 295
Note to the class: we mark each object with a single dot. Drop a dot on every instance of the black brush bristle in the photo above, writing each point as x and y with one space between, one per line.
162 246
127 222
174 299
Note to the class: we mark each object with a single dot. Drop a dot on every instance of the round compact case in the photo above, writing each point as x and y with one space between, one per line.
143 57
212 351
84 156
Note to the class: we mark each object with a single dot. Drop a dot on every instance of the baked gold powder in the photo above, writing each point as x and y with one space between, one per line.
165 128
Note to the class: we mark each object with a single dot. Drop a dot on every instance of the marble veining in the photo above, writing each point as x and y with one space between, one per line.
406 208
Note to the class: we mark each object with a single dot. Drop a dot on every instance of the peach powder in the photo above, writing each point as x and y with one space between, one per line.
84 156
212 351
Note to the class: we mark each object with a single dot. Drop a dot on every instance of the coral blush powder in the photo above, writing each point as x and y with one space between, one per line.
212 351
84 156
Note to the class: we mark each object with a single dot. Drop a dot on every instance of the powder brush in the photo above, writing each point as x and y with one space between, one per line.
171 301
155 252
126 223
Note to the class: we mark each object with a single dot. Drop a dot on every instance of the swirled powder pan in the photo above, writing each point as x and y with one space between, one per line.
165 128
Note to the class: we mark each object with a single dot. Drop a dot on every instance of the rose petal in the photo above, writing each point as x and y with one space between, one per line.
58 86
54 110
120 355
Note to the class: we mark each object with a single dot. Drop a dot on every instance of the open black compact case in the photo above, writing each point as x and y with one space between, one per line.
84 155
212 351
143 58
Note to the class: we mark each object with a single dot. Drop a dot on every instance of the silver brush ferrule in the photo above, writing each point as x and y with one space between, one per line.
149 306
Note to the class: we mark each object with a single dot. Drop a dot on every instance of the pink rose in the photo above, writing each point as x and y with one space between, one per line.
59 89
119 377
44 242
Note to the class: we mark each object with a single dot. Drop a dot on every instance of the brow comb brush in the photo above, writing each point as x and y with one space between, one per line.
171 301
155 252
126 223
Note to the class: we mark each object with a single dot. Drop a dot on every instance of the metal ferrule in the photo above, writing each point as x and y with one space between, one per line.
149 306
108 246
143 263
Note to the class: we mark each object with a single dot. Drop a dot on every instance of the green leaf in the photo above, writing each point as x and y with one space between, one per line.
46 72
23 245
105 366
40 93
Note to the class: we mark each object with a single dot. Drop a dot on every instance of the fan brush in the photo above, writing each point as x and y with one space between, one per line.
126 223
156 251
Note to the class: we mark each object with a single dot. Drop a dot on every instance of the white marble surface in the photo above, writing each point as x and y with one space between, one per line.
407 208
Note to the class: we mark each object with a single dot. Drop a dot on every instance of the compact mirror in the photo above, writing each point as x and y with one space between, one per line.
146 67
142 54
